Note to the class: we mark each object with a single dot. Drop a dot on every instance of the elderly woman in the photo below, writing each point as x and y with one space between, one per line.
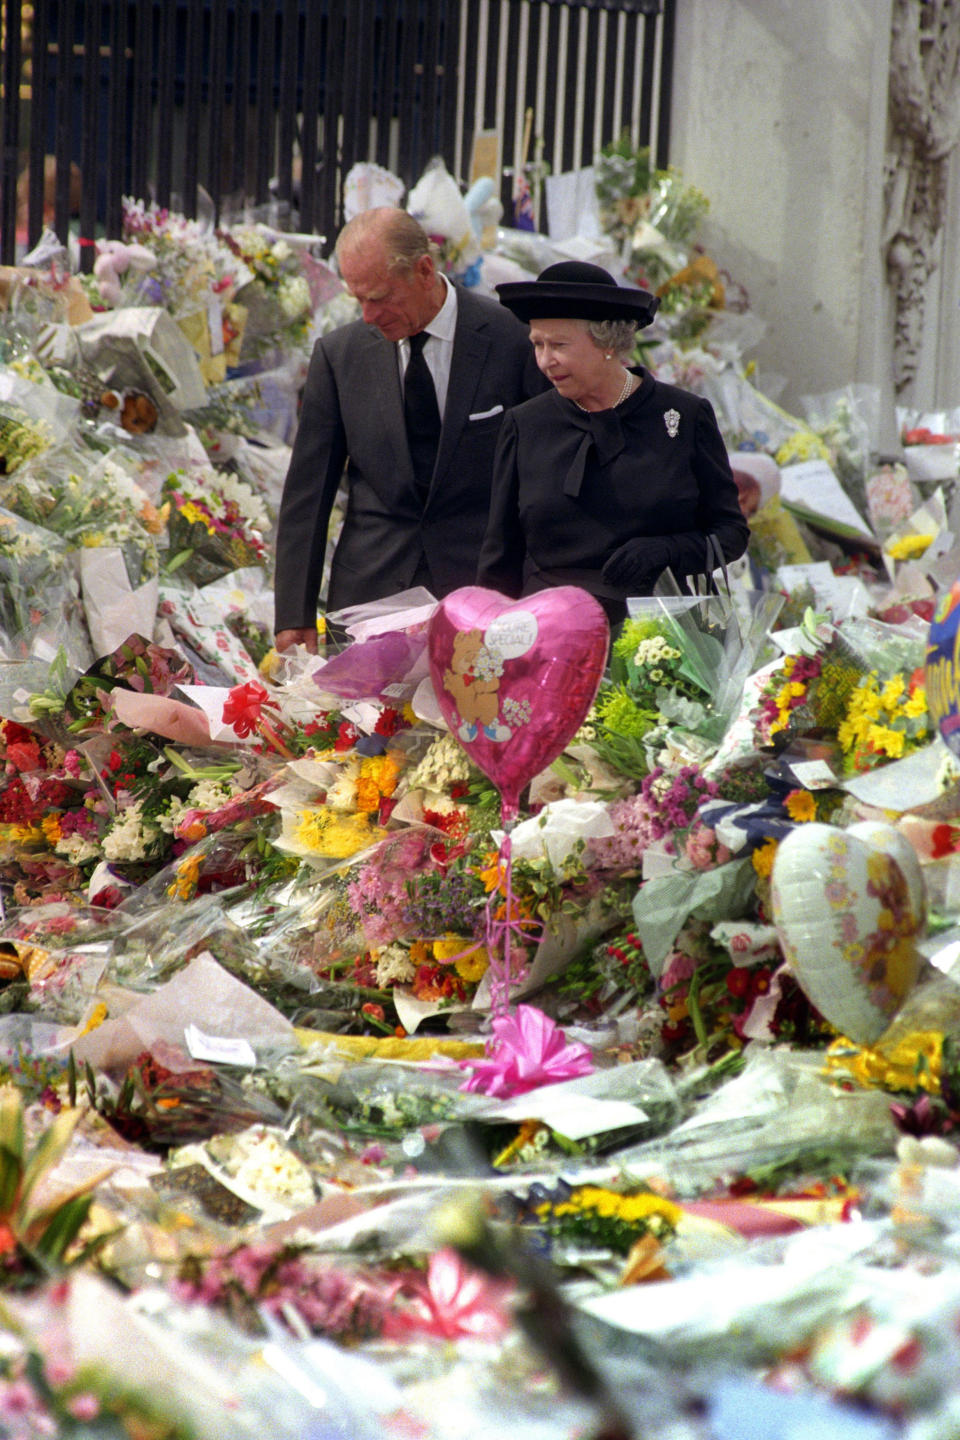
610 477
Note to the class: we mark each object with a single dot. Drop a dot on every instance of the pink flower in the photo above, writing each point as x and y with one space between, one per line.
527 1051
84 1406
451 1301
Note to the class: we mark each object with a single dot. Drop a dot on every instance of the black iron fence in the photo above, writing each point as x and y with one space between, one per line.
232 103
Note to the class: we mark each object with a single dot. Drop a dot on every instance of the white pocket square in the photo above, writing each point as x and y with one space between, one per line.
485 414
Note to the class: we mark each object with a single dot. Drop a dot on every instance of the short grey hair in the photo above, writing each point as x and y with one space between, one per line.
403 238
620 336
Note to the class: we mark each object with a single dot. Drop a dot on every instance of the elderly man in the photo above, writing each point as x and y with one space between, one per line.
414 420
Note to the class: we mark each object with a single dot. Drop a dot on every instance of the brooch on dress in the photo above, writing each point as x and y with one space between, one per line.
671 418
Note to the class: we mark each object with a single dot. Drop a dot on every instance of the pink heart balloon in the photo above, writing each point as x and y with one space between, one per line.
515 679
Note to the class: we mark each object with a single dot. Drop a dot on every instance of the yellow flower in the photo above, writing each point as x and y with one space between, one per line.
50 824
472 966
448 947
763 857
419 952
804 445
383 770
493 877
801 806
916 705
909 546
190 512
335 836
185 885
892 692
887 741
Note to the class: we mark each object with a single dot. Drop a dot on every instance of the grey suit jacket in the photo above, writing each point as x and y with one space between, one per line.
352 415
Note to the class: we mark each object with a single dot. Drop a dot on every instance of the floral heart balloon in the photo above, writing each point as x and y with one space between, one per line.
848 911
515 679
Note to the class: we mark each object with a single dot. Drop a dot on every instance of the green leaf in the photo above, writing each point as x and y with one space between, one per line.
63 1227
48 1150
11 1174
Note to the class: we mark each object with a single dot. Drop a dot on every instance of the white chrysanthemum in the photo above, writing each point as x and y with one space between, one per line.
394 966
342 794
444 764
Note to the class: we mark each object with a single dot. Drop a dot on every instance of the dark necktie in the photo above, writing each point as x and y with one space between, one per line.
421 412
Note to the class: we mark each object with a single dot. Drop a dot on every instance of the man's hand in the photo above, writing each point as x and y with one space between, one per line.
286 639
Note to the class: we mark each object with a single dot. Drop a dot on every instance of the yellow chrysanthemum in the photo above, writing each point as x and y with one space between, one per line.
492 877
367 798
448 947
763 857
892 692
383 770
50 824
334 836
887 741
801 806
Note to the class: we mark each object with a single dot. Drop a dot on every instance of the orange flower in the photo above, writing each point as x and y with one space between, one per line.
493 877
800 806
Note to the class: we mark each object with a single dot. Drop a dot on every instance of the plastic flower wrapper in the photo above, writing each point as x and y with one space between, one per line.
931 443
921 537
249 422
890 498
773 1110
202 995
103 514
147 368
34 416
198 622
652 215
847 422
40 610
277 299
720 639
52 1385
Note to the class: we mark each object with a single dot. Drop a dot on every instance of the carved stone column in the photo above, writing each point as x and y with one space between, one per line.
923 129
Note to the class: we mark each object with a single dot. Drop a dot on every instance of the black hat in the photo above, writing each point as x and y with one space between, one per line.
575 290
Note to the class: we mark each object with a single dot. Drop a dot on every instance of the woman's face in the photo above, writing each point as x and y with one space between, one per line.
571 360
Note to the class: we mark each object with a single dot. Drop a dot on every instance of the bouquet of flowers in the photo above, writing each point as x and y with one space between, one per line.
277 298
652 215
216 524
196 279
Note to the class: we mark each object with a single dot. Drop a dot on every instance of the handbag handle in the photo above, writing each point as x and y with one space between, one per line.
715 561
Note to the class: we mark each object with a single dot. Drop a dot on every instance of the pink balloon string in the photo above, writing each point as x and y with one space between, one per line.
499 932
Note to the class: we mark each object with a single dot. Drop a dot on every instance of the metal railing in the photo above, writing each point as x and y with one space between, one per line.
225 104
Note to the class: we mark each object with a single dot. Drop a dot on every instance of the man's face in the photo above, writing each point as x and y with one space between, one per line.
398 302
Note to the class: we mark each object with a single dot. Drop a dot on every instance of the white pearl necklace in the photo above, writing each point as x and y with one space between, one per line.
627 387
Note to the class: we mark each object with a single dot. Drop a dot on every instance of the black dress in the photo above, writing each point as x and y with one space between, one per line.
570 487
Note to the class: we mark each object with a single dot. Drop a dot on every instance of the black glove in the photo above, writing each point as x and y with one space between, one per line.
637 563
